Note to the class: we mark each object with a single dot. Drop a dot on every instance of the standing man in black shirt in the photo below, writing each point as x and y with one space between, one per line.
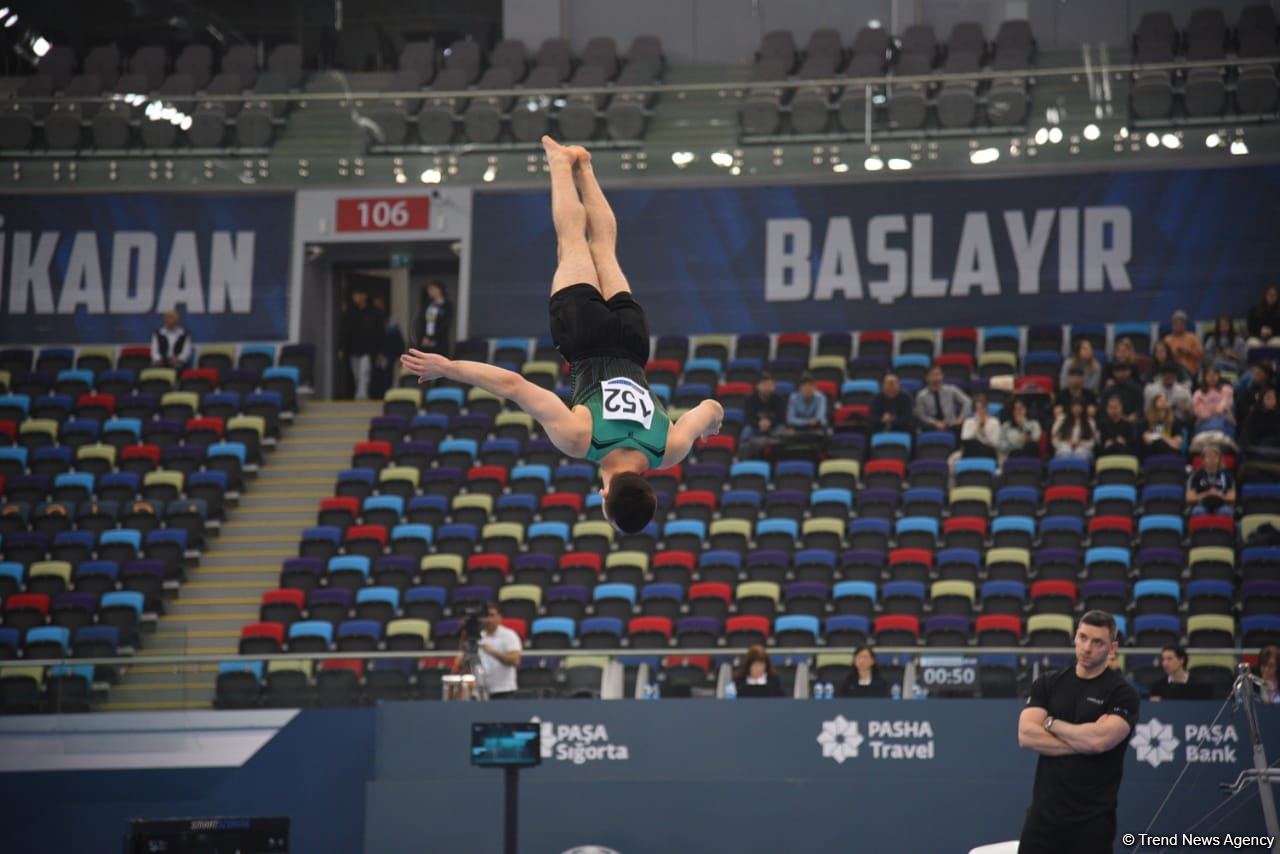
1079 720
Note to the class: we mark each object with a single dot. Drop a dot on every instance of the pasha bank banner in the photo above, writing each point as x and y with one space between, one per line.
101 268
894 254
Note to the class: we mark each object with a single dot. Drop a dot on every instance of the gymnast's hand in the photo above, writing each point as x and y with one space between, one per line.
428 366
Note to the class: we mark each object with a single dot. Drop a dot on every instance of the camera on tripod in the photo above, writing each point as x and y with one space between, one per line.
471 629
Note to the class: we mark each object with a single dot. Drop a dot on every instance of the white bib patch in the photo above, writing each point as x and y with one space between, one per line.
624 400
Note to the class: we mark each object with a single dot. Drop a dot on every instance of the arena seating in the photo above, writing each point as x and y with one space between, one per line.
112 473
456 500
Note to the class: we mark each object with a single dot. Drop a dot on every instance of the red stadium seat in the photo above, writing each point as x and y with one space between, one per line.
999 623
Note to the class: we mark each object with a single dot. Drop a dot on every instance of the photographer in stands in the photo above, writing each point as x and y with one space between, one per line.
498 649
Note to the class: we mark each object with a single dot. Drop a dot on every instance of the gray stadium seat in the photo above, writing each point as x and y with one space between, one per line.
464 55
104 61
556 54
149 62
1007 102
908 104
210 119
196 61
391 115
242 61
60 64
113 124
511 53
957 104
1206 35
37 86
628 112
285 61
967 36
177 90
1014 46
1152 95
64 126
1256 90
761 110
920 39
438 117
1156 39
962 61
529 117
255 125
871 51
17 127
419 59
647 50
482 120
824 41
778 46
811 106
578 118
1256 32
602 52
1204 93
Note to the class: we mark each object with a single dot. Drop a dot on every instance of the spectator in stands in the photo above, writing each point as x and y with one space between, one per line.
1161 359
765 412
1124 386
434 327
755 676
890 408
1211 489
864 680
1214 409
980 434
940 406
384 363
1184 345
1224 347
1264 320
1074 433
807 407
362 336
1249 389
1262 429
1116 433
1163 434
499 653
1020 436
1123 355
1074 391
1087 363
1177 393
1268 658
171 344
1173 661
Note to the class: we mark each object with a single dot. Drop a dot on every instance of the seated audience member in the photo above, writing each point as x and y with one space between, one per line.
1268 661
1123 355
1075 392
1178 394
1249 389
765 412
890 408
807 407
1211 489
1161 359
1074 433
940 406
170 344
1263 321
1177 684
1162 433
980 434
1184 345
864 680
1124 386
1020 436
1214 409
1262 428
1116 434
1224 347
1090 368
755 676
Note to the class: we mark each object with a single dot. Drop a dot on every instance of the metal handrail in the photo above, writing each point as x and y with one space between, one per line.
674 652
661 88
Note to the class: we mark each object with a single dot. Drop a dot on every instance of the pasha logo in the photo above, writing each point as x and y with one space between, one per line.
578 743
1154 742
841 739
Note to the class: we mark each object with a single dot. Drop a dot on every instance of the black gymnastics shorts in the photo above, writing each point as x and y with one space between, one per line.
583 325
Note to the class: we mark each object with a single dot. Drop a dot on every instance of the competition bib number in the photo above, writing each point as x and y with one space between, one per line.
624 400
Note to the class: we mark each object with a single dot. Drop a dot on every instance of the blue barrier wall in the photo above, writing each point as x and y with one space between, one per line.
1075 248
677 775
99 268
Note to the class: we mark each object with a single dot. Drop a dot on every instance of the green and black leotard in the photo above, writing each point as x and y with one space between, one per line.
624 414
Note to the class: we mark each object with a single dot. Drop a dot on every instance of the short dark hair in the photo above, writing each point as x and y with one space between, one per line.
631 502
1179 652
1101 620
807 378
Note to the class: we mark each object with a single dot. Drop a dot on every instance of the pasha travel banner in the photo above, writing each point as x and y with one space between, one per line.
101 268
903 253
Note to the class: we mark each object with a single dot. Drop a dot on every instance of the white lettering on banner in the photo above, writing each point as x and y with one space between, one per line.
124 282
1092 261
1156 743
841 739
578 743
